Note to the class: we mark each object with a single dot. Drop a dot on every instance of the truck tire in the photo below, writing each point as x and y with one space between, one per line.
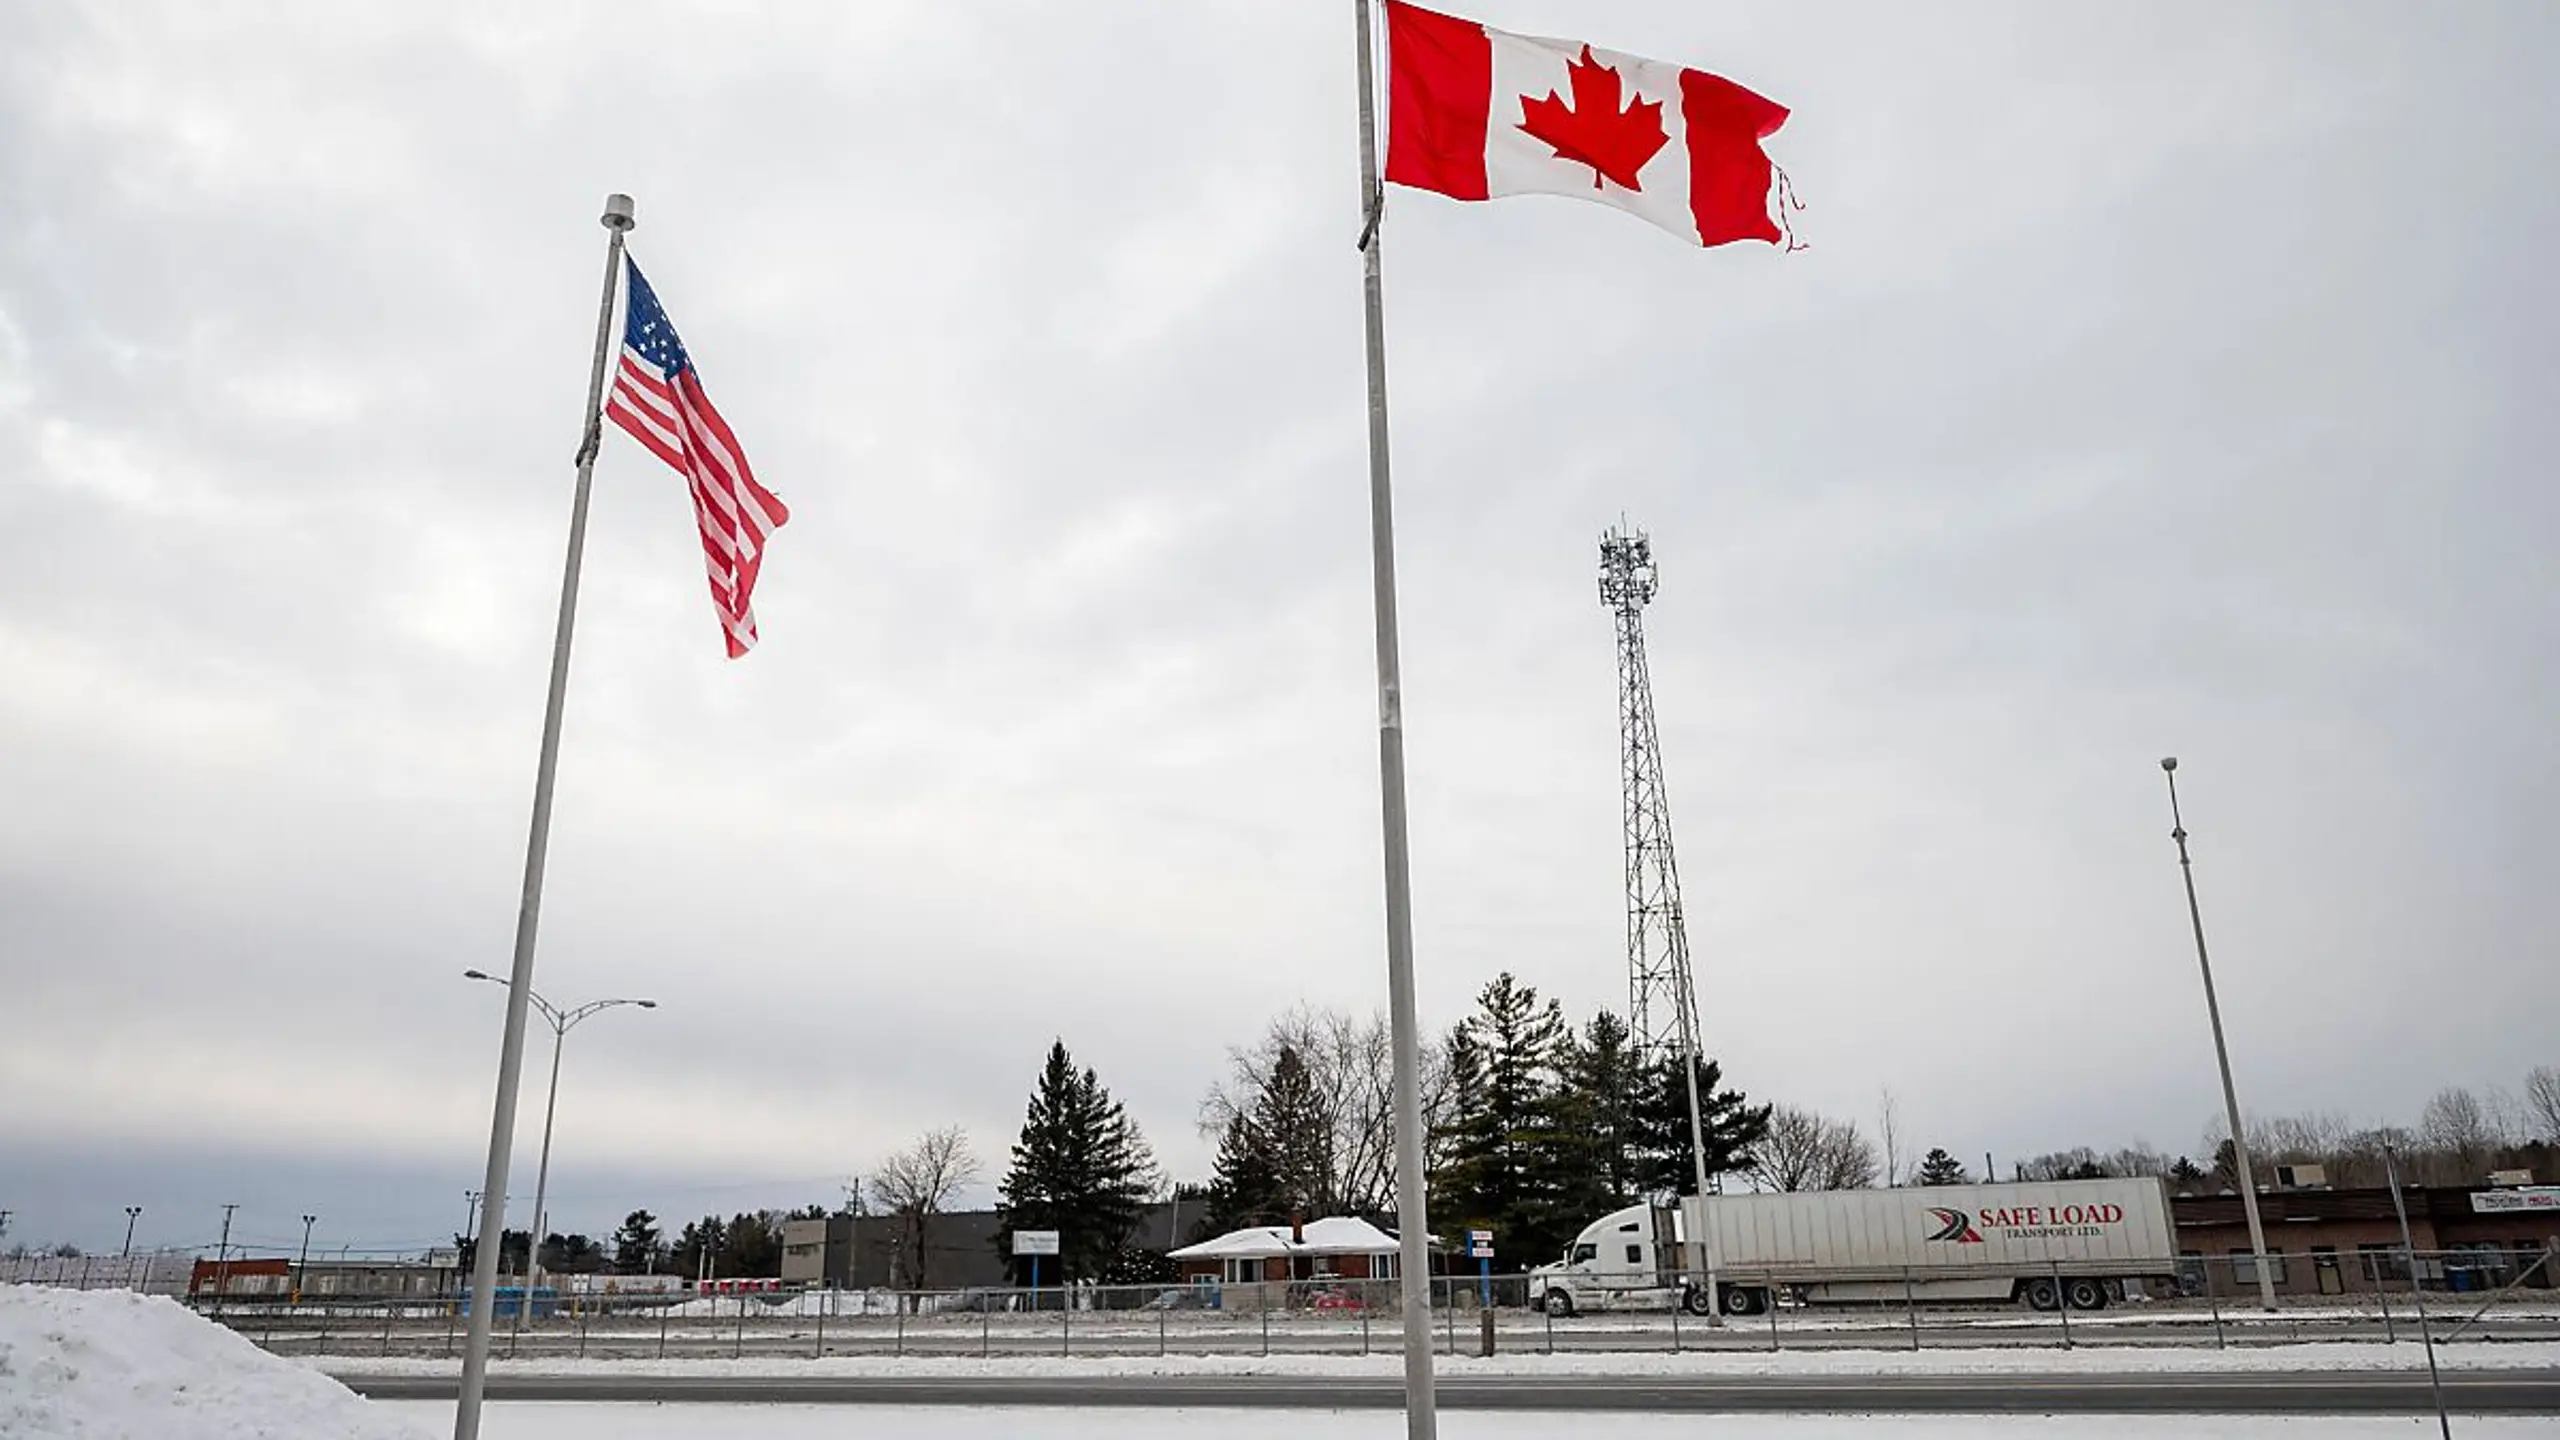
1745 1300
2086 1293
2041 1294
1558 1304
1693 1298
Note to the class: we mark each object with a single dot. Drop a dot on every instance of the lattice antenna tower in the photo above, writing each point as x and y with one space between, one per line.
1662 1006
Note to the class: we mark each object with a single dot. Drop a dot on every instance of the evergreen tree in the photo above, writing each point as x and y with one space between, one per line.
1245 1187
707 1236
1289 1120
1732 1126
1601 1083
1508 1164
635 1245
752 1244
1080 1168
1940 1168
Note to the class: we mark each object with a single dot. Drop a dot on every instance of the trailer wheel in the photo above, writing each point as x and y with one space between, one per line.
1559 1303
1744 1300
2087 1294
2041 1295
1693 1298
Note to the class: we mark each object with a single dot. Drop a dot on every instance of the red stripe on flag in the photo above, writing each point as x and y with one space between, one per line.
638 429
1439 101
1728 171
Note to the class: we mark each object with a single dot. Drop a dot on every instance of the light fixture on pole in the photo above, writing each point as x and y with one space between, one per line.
561 1022
2221 1053
131 1214
302 1266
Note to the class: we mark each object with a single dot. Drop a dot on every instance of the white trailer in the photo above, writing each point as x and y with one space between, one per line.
2075 1242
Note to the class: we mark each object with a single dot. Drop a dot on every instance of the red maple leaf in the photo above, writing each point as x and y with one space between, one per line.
1592 130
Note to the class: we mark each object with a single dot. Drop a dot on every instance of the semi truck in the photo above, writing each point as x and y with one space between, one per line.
2080 1243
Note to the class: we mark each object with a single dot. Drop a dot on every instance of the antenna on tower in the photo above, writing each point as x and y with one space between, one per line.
1662 1004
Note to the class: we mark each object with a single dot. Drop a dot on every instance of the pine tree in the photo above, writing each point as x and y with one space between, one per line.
707 1236
1080 1168
1245 1188
635 1245
1601 1083
1732 1125
1508 1163
1940 1168
1289 1119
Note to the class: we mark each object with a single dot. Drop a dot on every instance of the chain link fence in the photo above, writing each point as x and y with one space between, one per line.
2371 1295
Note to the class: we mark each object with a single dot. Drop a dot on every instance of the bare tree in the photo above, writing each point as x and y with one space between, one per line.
2461 1132
1351 1060
916 1183
2542 1102
1889 1135
1806 1151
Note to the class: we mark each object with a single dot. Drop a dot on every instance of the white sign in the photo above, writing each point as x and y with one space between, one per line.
1480 1244
1035 1242
2529 1197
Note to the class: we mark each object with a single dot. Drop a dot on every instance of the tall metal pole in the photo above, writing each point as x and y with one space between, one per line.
302 1266
541 1182
1413 1226
2221 1052
222 1266
2417 1293
132 1213
617 219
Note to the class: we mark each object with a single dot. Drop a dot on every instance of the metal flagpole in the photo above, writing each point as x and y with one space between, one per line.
1413 1237
2221 1054
502 1120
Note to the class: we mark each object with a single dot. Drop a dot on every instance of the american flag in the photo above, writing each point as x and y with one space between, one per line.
657 397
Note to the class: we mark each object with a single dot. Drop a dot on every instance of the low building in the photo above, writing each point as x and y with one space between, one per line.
1338 1247
2333 1242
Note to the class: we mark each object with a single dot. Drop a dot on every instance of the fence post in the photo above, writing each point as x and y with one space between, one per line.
741 1347
1066 1320
1911 1306
1770 1291
449 1312
898 1312
2381 1292
1160 1314
983 1321
2215 1301
1676 1308
823 1302
386 1328
1371 1294
2061 1302
1266 1326
1449 1313
663 1312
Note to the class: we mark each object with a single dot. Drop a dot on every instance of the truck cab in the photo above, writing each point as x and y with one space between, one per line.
1625 1260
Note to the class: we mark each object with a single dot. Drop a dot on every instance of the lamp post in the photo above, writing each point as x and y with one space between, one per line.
561 1022
131 1214
302 1266
2221 1053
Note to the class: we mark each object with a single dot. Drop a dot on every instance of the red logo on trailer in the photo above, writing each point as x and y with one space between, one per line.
1955 1225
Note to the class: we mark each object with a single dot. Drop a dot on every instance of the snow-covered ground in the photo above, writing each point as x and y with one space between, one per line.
552 1421
112 1365
2087 1360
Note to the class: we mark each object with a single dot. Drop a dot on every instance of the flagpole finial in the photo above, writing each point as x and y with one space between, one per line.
617 213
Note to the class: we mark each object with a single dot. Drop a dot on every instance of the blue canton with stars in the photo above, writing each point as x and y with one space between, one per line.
646 328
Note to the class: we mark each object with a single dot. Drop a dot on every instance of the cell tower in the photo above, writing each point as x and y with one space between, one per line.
1662 1005
1662 1008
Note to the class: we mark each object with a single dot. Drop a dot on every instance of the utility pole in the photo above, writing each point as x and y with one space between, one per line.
2221 1053
222 1266
131 1214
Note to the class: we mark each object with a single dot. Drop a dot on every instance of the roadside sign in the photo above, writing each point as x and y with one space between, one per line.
1480 1244
1035 1242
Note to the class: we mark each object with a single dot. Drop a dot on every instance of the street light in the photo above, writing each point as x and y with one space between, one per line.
302 1266
2221 1053
131 1214
561 1021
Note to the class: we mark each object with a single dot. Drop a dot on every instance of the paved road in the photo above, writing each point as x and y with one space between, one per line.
2520 1392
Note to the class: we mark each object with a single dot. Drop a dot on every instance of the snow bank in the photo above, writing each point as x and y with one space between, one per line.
113 1365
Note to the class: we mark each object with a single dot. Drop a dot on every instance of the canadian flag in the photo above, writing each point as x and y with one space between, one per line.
1475 113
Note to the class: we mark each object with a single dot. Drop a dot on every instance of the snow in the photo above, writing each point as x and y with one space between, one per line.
1332 1235
556 1421
113 1365
2086 1360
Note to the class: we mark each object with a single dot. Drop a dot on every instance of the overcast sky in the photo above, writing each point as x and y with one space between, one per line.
2172 378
